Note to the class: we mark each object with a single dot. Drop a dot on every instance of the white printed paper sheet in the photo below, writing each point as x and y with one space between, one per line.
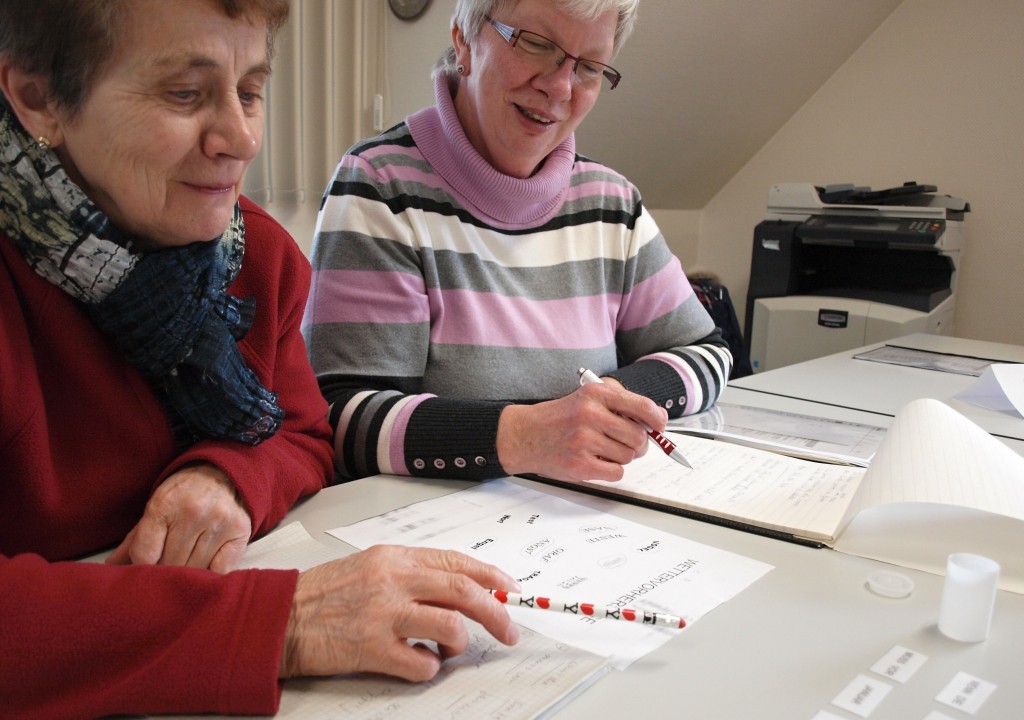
564 550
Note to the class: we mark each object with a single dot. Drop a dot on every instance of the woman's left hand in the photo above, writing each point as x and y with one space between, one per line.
194 518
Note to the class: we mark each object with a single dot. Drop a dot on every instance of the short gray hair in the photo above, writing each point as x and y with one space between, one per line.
470 16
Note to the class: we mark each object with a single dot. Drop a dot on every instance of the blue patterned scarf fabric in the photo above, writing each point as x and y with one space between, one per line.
167 311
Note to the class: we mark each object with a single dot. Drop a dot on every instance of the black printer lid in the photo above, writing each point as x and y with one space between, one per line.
907 194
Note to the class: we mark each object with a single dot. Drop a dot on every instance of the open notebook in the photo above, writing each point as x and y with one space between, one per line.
937 484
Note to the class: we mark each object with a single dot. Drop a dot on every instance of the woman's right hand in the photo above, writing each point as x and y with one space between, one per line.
358 613
589 434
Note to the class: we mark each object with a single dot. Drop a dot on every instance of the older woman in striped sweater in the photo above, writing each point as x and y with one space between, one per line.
468 261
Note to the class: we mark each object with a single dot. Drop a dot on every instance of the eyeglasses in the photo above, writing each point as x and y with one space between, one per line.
545 54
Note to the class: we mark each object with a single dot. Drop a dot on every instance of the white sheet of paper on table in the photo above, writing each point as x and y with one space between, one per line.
565 550
1000 387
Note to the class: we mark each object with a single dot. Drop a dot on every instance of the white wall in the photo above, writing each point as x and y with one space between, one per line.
936 95
413 47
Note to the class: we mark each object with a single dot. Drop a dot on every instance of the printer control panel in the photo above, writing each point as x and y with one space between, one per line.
847 229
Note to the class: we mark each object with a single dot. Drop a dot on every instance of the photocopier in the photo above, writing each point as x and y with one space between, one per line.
841 266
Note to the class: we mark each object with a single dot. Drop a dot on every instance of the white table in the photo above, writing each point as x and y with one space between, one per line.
783 648
881 388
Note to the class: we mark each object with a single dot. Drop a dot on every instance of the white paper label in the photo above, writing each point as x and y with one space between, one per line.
862 696
966 692
899 664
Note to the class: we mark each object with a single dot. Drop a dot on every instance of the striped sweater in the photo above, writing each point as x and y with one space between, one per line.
444 290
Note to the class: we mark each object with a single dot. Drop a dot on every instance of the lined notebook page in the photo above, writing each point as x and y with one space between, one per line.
488 681
934 454
745 484
938 485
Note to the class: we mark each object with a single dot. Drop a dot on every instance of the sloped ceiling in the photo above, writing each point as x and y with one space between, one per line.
708 82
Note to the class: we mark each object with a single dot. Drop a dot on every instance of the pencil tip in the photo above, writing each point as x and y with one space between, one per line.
681 459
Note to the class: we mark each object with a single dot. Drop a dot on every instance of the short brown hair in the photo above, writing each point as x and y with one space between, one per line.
68 41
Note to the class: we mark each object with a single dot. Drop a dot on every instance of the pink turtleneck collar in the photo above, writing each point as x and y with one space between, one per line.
487 192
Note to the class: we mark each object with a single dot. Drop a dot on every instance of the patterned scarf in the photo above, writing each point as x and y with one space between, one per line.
167 311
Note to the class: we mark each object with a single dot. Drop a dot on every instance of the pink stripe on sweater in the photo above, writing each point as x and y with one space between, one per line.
462 317
654 297
392 434
599 188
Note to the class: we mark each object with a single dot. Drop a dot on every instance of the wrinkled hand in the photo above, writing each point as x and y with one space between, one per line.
357 614
194 518
587 435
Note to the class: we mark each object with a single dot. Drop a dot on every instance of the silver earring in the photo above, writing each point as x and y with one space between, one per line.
460 69
43 142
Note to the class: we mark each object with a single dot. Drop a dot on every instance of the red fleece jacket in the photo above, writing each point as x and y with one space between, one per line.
83 442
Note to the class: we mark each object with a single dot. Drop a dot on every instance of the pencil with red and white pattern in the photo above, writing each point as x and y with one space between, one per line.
537 602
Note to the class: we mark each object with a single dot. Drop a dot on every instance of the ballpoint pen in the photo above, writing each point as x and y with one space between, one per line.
587 376
537 602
